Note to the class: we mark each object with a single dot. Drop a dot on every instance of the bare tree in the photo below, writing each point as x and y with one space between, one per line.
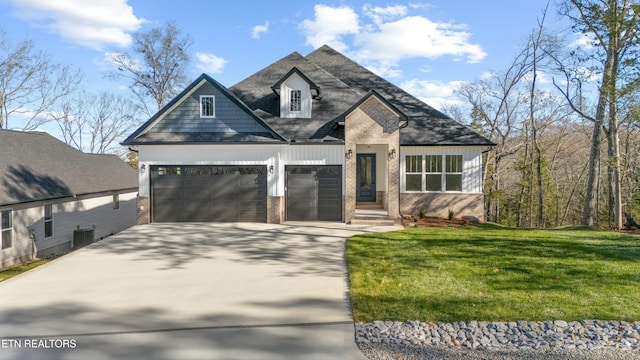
497 107
96 123
156 69
30 84
614 26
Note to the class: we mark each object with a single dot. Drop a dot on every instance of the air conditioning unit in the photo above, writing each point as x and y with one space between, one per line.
82 237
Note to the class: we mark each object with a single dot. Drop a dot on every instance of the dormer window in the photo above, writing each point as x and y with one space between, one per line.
296 93
207 106
296 100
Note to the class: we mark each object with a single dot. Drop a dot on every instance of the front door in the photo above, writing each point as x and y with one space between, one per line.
366 178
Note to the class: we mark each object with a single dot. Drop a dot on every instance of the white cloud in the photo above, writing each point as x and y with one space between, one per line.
583 42
209 63
258 30
329 26
382 14
416 36
435 93
387 35
94 24
429 88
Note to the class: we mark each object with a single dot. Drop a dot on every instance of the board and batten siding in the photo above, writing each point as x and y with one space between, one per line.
471 168
295 82
276 155
229 118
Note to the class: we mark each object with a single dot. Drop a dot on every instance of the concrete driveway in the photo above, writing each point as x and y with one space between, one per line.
188 291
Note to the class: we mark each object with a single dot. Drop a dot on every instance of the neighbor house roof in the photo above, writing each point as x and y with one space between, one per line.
35 166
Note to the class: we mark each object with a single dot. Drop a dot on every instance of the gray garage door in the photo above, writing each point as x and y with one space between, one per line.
208 193
314 193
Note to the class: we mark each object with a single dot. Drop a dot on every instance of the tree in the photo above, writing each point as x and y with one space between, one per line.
613 25
30 84
96 123
156 70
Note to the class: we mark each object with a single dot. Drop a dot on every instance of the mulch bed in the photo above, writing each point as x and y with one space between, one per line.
433 222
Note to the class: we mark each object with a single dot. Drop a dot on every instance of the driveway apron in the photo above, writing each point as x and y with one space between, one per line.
188 291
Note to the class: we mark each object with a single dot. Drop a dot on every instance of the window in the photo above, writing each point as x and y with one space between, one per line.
116 201
207 106
413 170
6 228
433 173
48 220
453 178
296 100
433 180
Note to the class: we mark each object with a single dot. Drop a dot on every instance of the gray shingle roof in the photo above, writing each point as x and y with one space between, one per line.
36 166
343 83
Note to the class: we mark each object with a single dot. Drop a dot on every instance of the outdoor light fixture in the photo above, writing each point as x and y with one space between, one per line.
348 154
392 153
143 168
271 169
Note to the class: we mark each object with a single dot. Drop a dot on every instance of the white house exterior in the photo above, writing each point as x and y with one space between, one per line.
50 191
325 139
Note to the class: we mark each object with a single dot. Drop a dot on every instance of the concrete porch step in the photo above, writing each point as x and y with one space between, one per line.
372 217
372 222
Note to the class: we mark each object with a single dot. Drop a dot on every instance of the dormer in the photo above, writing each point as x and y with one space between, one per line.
296 93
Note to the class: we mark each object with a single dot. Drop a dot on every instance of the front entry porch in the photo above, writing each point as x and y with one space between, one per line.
368 200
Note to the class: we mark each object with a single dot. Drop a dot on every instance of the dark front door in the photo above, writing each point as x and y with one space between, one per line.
366 178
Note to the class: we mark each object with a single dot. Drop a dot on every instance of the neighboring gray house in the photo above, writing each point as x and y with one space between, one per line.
49 189
314 137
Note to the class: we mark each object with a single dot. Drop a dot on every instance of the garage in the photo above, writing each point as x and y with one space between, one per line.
314 192
208 193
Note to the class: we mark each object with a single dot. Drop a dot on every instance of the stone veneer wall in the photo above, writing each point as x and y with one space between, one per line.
275 209
439 204
372 123
144 210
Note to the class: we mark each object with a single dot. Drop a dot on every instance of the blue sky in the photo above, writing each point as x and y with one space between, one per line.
425 47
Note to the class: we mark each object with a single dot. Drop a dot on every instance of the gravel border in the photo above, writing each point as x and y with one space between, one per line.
587 339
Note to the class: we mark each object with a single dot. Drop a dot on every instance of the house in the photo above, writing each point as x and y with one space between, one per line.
316 137
49 191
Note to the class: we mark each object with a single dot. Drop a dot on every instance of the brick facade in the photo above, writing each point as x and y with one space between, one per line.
372 123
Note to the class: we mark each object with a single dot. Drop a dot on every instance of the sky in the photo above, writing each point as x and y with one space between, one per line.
428 48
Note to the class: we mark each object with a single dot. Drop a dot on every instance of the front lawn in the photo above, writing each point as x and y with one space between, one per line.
494 273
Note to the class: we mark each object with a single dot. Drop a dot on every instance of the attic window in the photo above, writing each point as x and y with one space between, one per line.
207 106
296 100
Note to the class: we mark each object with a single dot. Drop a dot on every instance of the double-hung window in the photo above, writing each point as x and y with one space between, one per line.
453 178
207 106
296 101
48 220
6 229
433 179
413 170
116 201
433 173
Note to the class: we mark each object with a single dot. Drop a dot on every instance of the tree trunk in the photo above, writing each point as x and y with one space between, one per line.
591 201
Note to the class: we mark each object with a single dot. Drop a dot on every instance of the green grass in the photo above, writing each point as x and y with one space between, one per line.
9 273
494 273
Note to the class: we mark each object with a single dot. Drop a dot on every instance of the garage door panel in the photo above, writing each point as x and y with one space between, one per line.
209 193
314 193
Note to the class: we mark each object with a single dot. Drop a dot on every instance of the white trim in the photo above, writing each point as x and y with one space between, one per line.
44 219
10 229
213 97
173 107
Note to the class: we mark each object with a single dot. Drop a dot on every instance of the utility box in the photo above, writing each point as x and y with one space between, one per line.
82 237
